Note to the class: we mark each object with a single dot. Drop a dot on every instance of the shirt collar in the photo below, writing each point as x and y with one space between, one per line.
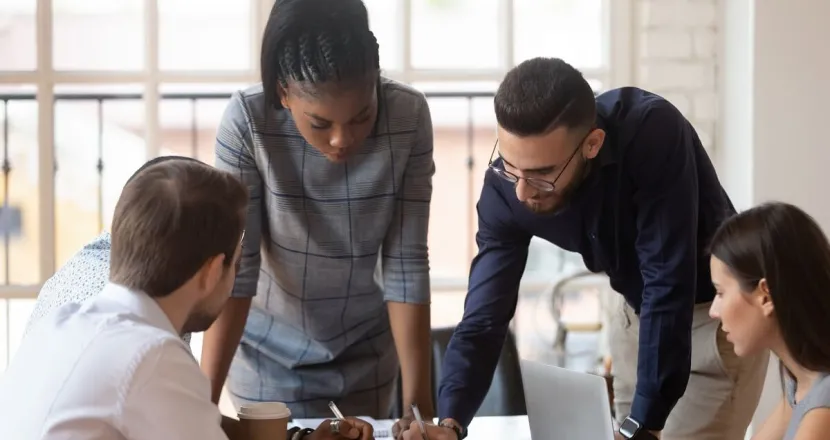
140 304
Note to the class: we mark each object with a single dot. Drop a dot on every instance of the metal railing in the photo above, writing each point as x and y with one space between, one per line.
10 291
100 99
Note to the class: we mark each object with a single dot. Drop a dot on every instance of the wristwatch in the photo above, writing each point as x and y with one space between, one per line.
633 430
297 433
459 430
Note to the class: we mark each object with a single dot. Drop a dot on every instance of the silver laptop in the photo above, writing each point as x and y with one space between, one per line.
565 404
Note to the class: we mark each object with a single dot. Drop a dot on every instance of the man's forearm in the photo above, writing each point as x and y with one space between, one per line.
220 343
411 331
469 364
664 363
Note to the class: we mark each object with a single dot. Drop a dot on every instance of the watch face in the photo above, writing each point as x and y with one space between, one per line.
629 428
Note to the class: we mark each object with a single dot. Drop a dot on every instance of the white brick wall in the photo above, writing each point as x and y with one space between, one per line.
677 57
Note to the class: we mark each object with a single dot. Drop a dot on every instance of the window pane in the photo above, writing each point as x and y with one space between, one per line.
384 19
455 86
450 232
19 209
85 195
447 307
189 118
455 34
17 35
569 29
205 35
98 34
462 127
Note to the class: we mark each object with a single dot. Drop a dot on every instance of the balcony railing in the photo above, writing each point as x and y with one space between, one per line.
9 217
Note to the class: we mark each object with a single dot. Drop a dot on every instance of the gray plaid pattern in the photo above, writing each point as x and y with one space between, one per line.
326 245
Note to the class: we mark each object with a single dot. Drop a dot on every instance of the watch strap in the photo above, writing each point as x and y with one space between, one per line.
300 434
460 431
644 435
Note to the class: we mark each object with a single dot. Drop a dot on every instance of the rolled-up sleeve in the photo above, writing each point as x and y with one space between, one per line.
235 154
405 252
473 352
663 169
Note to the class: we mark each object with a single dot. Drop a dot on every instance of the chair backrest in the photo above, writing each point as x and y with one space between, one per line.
506 396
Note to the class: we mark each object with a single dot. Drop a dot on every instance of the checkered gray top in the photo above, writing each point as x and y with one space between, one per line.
326 244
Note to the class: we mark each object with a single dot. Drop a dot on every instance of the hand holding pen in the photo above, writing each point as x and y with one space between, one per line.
341 427
426 430
421 425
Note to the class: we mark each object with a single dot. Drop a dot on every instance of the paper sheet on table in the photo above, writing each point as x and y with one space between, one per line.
383 428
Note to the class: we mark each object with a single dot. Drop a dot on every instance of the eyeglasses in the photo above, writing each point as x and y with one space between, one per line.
540 184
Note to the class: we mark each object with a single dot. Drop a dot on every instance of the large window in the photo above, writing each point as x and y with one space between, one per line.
89 89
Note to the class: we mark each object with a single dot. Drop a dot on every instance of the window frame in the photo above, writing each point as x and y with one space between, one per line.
617 71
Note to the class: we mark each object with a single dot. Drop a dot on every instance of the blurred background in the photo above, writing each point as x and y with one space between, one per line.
90 89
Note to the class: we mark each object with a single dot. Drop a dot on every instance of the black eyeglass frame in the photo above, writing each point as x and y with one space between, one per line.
537 183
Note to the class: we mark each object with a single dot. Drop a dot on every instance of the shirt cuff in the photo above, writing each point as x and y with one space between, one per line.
650 412
453 408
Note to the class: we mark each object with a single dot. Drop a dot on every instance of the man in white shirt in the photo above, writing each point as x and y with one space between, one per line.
115 366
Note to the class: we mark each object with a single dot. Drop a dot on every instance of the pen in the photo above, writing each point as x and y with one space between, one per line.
420 420
336 411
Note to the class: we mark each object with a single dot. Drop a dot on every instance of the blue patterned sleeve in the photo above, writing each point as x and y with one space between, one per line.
235 154
405 252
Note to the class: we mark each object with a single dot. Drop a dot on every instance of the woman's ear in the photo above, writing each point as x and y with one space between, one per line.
764 298
282 93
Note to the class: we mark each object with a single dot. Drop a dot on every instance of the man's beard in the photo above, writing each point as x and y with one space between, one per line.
564 196
199 320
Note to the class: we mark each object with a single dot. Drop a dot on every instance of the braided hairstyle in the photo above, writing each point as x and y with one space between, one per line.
311 42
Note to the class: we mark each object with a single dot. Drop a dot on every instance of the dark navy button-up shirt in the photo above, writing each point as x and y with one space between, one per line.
644 216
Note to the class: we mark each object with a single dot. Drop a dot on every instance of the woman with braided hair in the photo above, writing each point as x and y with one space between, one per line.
338 162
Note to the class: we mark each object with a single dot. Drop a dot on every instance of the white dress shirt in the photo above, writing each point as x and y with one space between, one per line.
112 367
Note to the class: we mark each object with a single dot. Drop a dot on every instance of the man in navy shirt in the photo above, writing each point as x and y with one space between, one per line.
623 180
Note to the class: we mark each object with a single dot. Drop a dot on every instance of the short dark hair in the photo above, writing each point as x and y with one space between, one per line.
784 245
542 94
317 41
171 218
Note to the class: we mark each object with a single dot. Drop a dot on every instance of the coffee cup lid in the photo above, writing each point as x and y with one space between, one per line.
264 410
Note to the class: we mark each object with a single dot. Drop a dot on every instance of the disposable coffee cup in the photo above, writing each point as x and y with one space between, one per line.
264 421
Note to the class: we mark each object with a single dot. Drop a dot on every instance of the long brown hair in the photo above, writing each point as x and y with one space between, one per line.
784 245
